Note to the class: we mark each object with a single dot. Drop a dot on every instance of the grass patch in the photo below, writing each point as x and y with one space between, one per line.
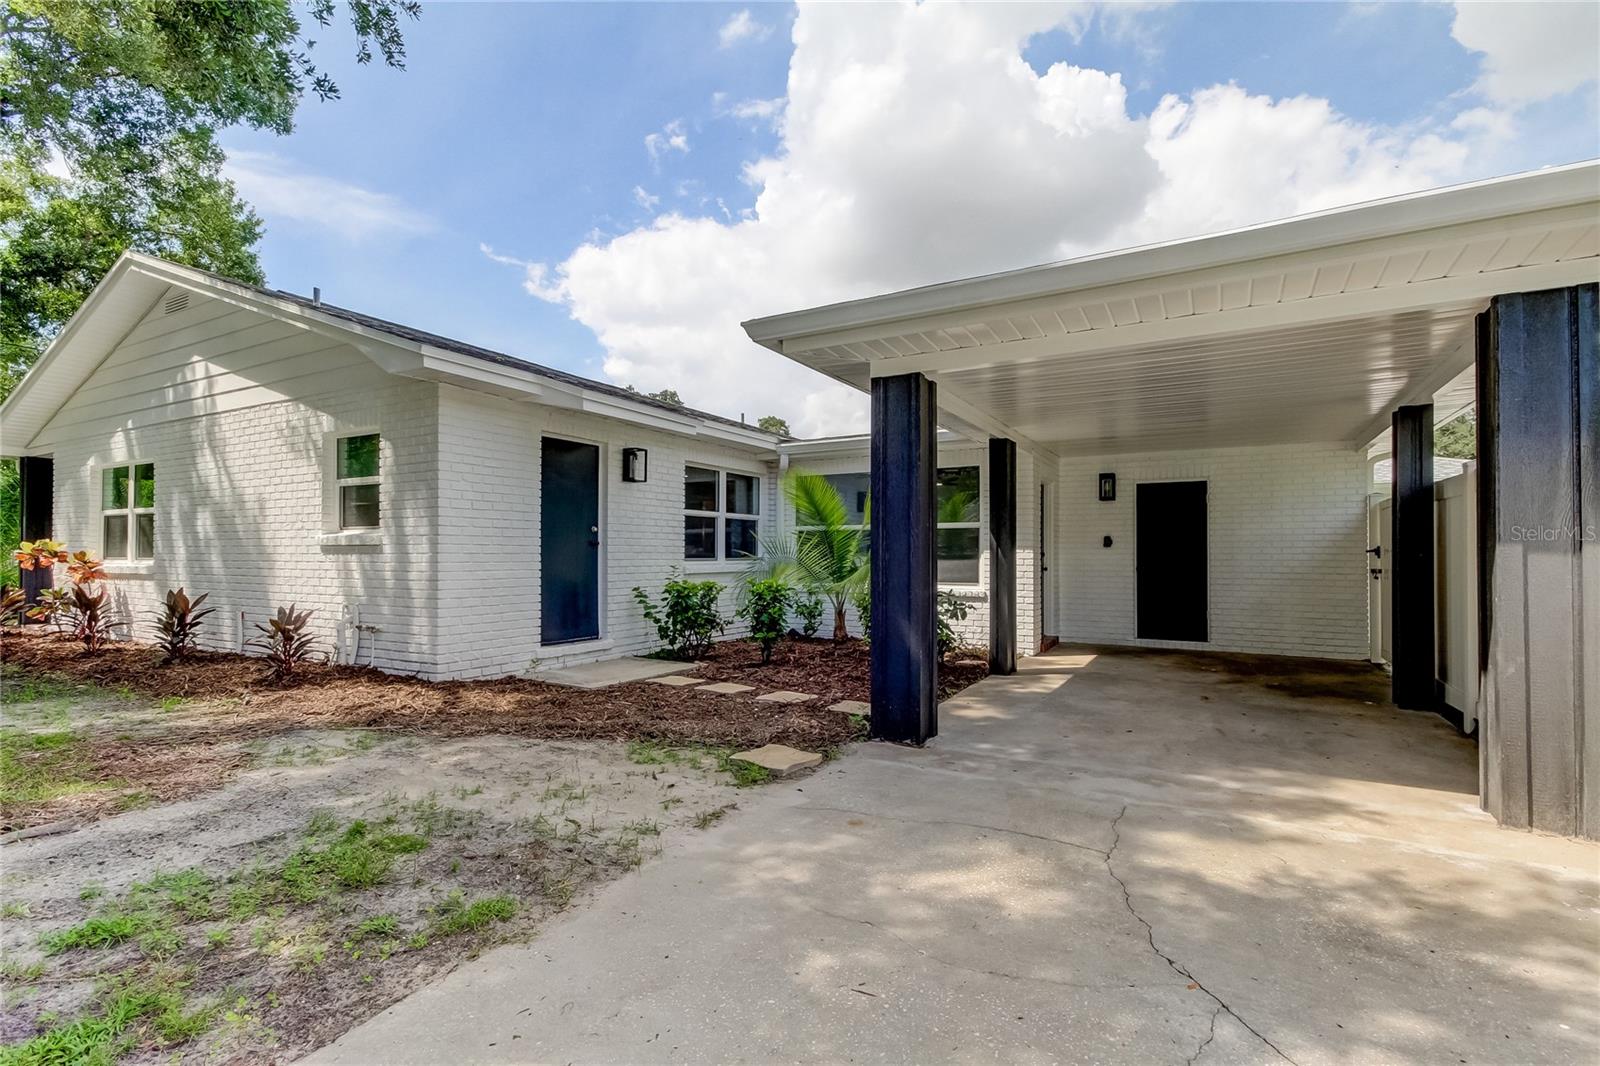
744 774
100 931
40 767
707 819
457 916
134 1009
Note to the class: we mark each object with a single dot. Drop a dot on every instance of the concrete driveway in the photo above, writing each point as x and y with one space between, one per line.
1109 857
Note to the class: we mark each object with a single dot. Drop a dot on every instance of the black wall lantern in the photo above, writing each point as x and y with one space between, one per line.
1108 488
635 464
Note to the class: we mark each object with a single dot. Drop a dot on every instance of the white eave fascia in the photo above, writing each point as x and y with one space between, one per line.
855 444
1555 187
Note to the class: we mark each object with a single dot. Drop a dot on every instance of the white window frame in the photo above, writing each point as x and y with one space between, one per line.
340 483
722 514
131 511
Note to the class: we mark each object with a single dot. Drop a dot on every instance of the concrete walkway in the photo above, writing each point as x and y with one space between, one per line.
1110 857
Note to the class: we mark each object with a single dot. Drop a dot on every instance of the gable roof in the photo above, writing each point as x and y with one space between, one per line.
136 281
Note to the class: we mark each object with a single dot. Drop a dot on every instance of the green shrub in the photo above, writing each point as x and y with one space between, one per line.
687 619
950 608
766 607
861 599
809 608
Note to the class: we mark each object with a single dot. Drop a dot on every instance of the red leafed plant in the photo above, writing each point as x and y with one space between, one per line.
285 643
178 623
12 601
93 624
40 554
83 568
54 606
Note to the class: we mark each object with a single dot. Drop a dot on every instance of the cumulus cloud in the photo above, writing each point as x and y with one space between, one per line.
892 171
742 27
670 138
278 189
1531 51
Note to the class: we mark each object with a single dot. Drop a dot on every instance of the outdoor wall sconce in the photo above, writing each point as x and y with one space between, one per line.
1108 488
635 464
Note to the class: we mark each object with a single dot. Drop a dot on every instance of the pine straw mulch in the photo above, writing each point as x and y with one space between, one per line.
831 670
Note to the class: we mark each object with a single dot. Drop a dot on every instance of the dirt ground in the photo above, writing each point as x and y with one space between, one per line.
338 870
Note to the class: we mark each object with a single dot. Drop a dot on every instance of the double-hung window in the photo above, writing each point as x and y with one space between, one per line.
357 472
128 511
721 514
958 518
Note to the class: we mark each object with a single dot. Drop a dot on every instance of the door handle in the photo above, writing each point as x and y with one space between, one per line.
1376 552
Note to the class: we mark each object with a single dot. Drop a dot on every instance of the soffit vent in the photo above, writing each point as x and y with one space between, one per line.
176 303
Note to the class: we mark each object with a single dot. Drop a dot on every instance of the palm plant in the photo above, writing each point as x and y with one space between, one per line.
824 554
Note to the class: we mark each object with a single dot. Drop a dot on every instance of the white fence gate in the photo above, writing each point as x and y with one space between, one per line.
1455 588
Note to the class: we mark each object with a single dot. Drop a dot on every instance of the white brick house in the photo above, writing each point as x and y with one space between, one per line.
195 427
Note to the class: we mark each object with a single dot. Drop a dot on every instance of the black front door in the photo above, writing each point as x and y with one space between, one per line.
569 539
1170 551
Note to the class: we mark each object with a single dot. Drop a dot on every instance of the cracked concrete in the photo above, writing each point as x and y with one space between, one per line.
1109 857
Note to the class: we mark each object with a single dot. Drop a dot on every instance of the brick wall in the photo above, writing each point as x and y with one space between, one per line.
1286 542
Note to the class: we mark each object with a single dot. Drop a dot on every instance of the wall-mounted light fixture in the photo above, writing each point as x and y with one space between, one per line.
1108 488
635 464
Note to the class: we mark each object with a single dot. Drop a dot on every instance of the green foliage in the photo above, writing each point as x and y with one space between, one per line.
949 608
178 623
861 600
824 555
773 424
667 396
457 917
100 931
10 497
808 606
39 767
284 642
687 619
744 774
1457 439
133 1009
765 605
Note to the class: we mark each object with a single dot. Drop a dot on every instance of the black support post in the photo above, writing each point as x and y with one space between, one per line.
1413 659
36 495
905 657
1002 555
1539 560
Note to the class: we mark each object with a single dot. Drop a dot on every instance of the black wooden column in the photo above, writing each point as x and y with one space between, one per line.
1002 555
36 495
1539 569
1413 660
905 657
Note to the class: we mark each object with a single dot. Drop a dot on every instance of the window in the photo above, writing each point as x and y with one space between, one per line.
721 514
357 474
958 525
128 511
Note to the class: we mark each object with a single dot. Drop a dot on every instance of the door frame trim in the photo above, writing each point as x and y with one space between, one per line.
1156 642
602 619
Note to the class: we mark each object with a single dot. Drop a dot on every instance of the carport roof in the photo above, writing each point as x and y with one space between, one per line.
1310 329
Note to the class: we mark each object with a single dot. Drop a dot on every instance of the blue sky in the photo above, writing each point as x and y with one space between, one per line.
601 152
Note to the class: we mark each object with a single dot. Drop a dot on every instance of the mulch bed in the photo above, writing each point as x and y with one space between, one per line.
325 696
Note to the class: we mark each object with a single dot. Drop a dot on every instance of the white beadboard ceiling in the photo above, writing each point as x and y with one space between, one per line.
1310 329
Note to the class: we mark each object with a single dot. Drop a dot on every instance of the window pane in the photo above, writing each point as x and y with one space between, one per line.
114 488
958 556
744 494
144 485
742 538
358 456
699 489
958 494
699 538
358 506
144 536
115 536
853 490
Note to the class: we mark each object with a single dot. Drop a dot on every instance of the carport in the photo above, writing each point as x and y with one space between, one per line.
1216 402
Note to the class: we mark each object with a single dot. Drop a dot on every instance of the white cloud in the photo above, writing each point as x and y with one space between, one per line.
1531 51
535 276
765 111
279 190
892 171
670 138
644 198
742 27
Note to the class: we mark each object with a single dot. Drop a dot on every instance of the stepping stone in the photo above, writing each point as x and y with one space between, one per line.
676 680
856 707
785 696
778 760
726 688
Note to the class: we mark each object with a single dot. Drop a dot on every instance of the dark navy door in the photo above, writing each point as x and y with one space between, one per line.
569 539
1170 557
